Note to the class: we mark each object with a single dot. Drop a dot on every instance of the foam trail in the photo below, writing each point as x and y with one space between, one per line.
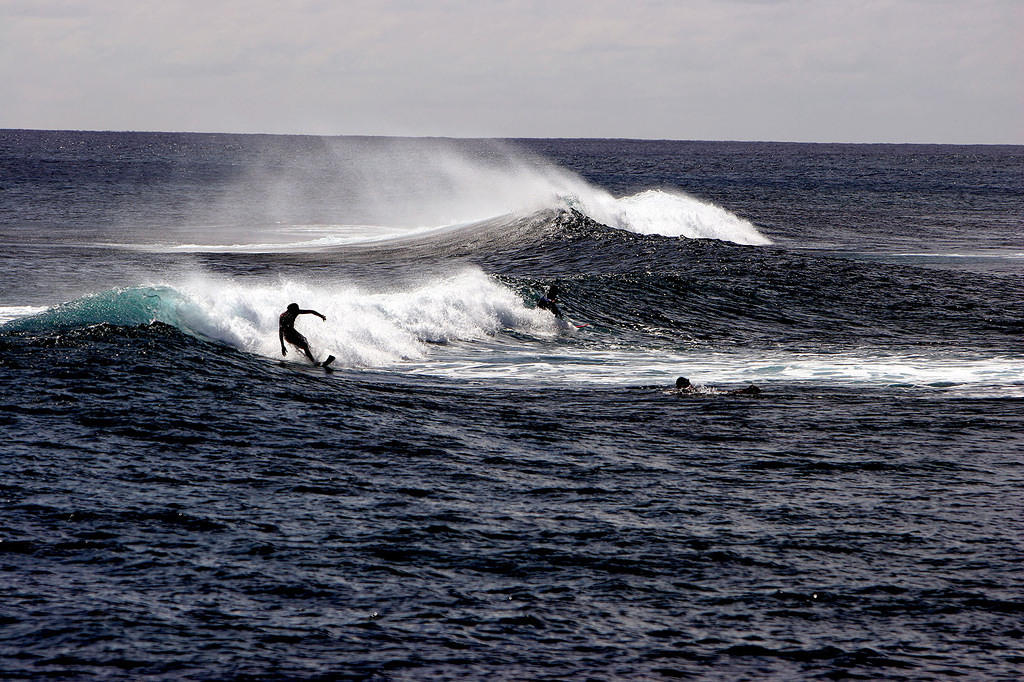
287 239
984 376
13 312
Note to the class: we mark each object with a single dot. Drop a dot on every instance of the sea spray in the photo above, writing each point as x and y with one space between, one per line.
351 194
450 185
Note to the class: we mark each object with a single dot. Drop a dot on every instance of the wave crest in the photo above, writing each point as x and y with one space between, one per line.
672 214
363 328
400 189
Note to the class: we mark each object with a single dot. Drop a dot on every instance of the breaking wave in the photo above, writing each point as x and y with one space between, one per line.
409 189
363 328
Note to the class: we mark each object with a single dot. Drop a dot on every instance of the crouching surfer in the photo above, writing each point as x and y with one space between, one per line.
286 332
549 301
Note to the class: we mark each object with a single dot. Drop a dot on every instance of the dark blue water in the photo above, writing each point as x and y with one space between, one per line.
478 491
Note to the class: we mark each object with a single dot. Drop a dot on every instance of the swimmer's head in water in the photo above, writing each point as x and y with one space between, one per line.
683 382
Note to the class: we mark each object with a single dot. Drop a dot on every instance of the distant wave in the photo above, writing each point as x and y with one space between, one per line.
652 212
409 190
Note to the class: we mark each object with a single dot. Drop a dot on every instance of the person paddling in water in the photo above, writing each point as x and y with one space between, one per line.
286 332
683 385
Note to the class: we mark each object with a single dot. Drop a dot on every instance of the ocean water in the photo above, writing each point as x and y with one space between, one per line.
479 491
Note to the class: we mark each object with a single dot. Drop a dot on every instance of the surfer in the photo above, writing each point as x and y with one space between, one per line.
286 331
683 385
549 301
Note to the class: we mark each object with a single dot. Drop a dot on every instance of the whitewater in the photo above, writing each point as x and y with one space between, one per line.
471 326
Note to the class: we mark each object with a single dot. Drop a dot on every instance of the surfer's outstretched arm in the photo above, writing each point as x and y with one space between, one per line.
313 312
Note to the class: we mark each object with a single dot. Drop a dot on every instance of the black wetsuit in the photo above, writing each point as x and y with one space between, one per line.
549 304
287 327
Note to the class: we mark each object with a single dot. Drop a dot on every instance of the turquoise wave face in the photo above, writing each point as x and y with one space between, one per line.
123 307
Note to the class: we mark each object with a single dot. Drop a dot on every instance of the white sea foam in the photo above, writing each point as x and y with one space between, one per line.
1011 255
733 370
13 312
670 214
289 238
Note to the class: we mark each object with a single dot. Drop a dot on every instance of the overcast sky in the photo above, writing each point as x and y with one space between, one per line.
803 70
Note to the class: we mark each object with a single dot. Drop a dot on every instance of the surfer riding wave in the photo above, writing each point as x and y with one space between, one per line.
287 332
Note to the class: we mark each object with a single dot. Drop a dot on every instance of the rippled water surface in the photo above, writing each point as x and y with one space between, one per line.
477 490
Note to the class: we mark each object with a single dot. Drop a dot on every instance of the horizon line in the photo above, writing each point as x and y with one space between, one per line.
143 131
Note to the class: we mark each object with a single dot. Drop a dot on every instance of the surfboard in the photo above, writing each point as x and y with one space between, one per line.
568 325
325 364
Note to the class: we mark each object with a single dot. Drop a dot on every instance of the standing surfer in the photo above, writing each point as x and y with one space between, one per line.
286 332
